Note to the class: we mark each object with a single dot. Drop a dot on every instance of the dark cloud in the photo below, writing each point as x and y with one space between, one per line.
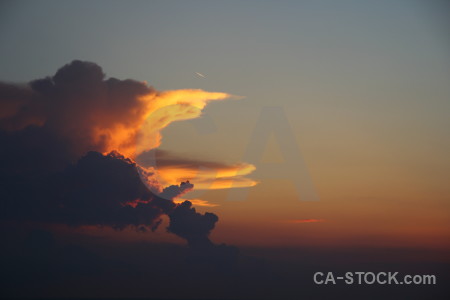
97 190
78 108
194 227
102 190
21 107
174 191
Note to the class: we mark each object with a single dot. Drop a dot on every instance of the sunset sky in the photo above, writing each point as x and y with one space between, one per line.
303 124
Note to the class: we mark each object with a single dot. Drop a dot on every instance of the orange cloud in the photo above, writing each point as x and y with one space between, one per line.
197 202
170 106
209 178
153 112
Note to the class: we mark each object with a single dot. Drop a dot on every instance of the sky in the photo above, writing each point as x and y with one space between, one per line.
331 125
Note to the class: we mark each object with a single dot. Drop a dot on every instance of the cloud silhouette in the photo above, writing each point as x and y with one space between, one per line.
69 141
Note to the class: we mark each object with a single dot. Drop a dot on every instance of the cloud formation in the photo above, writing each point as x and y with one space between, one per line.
206 174
69 143
91 113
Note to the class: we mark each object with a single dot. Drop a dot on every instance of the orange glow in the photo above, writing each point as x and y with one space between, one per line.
196 202
209 178
140 129
141 133
167 107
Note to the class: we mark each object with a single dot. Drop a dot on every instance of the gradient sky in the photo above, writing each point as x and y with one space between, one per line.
364 86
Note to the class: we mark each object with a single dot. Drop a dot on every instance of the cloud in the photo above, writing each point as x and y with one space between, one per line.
56 120
173 168
91 113
97 190
20 107
194 227
104 190
196 202
68 143
174 191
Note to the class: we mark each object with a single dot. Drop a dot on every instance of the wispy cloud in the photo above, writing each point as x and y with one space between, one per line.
206 175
